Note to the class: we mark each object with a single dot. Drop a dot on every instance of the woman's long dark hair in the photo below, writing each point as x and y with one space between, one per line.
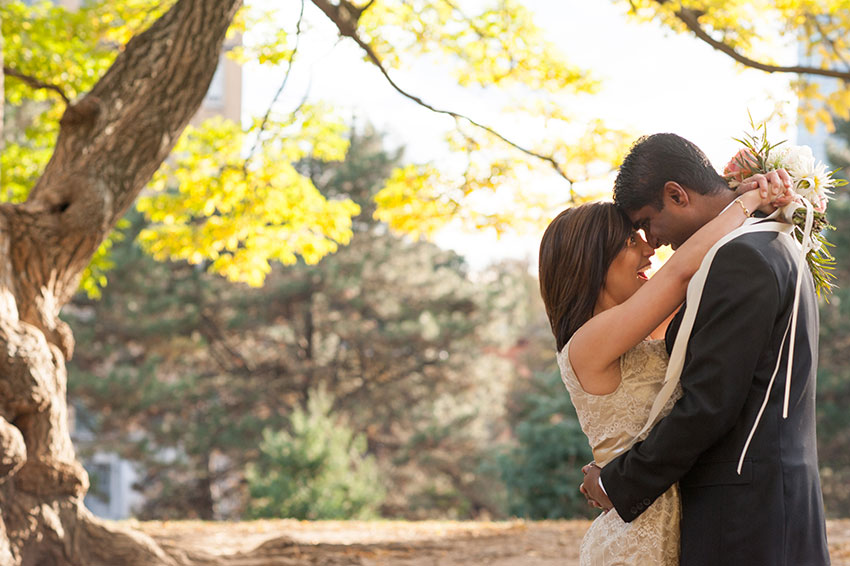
575 253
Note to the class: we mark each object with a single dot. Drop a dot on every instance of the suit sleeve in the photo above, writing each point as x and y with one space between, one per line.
733 327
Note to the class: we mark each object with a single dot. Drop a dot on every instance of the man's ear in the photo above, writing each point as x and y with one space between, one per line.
675 194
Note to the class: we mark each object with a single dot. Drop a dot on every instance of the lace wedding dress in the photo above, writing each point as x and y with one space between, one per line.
610 422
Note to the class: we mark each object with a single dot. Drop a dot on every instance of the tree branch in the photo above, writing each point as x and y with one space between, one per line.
211 330
112 141
691 19
483 35
348 28
143 103
263 124
35 83
825 37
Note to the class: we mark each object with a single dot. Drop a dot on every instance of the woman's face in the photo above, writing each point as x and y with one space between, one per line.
628 270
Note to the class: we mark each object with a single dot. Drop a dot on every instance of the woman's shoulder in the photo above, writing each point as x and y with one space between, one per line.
571 380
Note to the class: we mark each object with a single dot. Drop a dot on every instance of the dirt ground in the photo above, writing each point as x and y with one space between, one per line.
396 543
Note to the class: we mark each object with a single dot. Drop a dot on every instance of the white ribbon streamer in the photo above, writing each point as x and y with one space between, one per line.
792 327
807 245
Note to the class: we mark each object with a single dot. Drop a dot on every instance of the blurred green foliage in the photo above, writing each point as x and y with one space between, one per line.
833 393
318 469
542 470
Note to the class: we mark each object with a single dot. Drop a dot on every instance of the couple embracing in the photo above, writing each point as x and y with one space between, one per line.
679 381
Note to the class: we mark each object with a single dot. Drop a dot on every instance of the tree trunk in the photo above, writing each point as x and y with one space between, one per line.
110 144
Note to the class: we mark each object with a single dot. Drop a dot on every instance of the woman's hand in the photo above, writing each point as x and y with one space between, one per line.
773 189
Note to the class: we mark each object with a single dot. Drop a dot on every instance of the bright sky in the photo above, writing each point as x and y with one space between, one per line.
652 81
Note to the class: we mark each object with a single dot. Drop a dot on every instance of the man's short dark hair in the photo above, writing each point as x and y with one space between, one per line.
654 160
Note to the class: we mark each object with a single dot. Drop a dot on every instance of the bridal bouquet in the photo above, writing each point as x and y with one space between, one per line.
812 184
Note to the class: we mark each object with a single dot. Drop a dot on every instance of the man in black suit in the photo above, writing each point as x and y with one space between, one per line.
771 513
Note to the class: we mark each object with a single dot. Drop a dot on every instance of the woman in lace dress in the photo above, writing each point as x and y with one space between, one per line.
609 320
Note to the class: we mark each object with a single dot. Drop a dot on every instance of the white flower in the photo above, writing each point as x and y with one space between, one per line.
798 160
811 179
776 157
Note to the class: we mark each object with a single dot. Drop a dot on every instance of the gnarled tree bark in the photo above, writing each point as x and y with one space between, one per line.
110 143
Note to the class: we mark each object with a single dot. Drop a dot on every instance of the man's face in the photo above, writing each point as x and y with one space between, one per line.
668 226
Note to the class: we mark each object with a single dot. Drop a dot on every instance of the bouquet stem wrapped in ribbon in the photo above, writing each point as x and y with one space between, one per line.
812 184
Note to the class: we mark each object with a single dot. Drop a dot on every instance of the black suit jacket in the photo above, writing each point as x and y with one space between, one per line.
771 514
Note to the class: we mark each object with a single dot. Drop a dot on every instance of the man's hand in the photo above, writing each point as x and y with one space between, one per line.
592 491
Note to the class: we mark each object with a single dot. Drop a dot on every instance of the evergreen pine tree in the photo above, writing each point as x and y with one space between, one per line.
319 469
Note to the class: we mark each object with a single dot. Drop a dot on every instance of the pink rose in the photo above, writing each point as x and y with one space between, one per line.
820 206
743 165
